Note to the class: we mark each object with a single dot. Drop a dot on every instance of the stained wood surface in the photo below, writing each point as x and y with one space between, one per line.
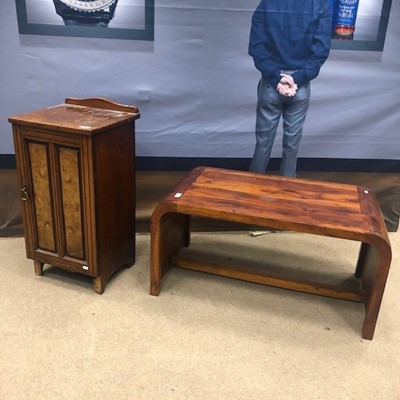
83 116
76 169
304 205
288 204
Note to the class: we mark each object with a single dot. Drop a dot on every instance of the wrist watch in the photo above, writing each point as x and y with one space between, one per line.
86 12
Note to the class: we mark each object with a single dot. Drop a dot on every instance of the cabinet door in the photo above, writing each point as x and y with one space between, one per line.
55 206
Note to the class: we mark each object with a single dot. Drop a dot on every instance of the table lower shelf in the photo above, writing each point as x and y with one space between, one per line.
273 279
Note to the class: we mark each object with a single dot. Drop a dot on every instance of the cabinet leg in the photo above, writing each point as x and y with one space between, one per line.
98 284
38 268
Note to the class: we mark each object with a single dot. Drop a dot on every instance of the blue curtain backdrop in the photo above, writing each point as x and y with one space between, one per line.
195 84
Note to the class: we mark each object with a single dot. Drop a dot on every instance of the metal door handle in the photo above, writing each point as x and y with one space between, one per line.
24 194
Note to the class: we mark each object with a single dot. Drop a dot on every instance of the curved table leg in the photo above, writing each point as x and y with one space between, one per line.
373 269
169 233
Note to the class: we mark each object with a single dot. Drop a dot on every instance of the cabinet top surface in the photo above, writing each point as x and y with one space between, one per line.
75 118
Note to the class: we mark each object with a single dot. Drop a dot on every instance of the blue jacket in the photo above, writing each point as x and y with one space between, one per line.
290 35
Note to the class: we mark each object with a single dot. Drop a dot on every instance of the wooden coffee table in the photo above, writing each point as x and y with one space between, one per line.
286 204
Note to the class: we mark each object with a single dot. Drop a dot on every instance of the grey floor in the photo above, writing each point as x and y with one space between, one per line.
204 337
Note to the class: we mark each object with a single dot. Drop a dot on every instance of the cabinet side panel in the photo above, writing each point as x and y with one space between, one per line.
114 154
39 166
71 202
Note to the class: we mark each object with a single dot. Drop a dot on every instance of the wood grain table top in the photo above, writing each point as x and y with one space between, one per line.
324 208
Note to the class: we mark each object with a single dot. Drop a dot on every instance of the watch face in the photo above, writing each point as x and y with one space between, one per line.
88 5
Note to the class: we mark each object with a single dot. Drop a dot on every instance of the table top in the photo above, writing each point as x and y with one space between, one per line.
304 205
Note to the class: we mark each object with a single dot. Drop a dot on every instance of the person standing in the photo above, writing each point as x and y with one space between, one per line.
289 42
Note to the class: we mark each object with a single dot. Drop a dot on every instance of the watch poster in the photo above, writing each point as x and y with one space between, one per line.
114 19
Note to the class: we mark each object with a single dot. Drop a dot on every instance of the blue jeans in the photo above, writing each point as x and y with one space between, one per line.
270 107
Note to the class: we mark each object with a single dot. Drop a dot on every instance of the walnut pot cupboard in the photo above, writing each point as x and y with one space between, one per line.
76 170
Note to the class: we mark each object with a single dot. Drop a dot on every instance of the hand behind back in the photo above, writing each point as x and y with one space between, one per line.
286 87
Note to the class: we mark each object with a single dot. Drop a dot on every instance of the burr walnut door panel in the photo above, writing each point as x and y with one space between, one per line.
54 197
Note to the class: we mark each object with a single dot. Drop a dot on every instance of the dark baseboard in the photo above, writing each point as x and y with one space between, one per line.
7 161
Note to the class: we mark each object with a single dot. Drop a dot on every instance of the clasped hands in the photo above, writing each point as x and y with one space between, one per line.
286 87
